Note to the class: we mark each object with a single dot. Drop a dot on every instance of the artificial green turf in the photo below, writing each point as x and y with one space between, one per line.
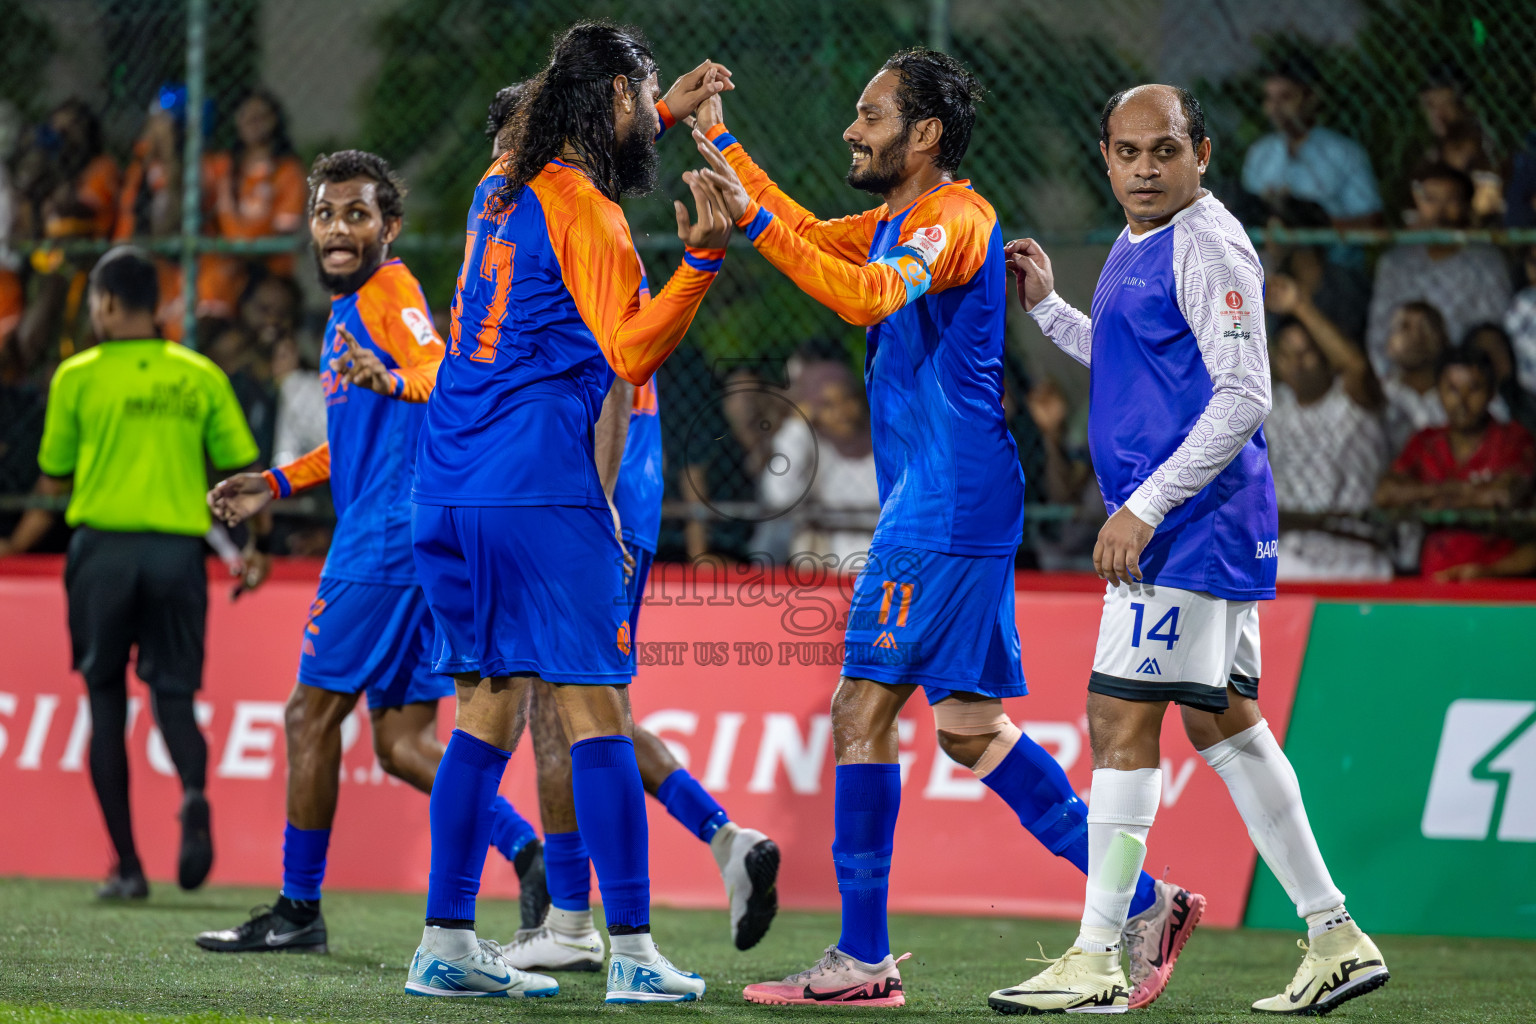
65 958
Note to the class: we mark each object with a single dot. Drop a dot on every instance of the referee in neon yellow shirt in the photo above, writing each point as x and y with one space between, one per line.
126 430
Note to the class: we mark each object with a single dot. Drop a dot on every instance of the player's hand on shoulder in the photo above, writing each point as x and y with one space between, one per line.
362 366
1117 555
239 497
1031 269
696 86
712 225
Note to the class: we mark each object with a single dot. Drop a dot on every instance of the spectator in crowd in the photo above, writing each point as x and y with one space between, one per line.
1062 475
1308 161
822 466
1511 402
1443 101
1414 347
1327 448
150 203
1465 149
131 426
257 190
1468 284
1473 462
233 350
66 187
1520 322
1333 278
66 182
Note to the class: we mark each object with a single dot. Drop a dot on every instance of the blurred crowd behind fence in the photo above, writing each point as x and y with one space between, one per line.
411 79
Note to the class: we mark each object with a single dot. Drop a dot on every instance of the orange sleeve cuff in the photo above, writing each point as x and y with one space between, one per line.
665 113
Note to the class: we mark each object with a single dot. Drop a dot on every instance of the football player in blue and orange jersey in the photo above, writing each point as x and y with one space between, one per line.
748 860
924 273
513 535
369 628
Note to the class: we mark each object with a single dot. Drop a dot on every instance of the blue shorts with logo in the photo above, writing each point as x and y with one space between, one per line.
634 592
373 637
525 590
944 622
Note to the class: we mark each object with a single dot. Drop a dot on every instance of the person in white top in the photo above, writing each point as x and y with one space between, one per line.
1414 346
1327 449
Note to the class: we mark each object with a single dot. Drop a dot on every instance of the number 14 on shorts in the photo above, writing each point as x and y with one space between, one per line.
1165 630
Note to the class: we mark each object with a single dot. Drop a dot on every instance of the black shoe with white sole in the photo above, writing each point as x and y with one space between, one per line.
272 930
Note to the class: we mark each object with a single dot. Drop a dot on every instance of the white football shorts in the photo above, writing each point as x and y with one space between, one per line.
1186 646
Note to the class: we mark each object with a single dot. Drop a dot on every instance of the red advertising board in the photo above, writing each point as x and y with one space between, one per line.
736 677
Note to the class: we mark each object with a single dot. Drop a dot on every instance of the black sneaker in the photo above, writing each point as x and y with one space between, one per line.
196 858
533 893
119 886
269 931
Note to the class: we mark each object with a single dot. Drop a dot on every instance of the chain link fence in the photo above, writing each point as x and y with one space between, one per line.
98 125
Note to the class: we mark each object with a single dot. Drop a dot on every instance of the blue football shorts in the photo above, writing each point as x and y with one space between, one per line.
373 637
945 622
525 590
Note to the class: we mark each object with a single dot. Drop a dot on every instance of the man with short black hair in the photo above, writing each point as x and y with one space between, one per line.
128 427
1304 160
1468 284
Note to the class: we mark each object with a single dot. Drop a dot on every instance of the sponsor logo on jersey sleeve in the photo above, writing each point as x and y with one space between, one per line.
419 325
927 243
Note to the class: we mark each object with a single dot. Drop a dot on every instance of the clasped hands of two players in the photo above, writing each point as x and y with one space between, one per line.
1117 554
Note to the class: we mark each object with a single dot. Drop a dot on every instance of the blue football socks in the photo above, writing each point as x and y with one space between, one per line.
1031 782
467 780
510 831
864 818
304 852
567 871
690 804
610 813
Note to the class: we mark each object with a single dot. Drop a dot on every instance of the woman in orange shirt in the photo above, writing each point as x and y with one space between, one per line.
257 190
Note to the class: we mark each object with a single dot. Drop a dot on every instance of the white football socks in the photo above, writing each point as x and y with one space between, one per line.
449 943
638 946
570 923
1264 788
1121 808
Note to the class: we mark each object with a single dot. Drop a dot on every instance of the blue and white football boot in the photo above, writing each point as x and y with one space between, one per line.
454 963
636 978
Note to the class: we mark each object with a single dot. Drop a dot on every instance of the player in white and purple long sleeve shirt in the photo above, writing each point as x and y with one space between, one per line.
1180 387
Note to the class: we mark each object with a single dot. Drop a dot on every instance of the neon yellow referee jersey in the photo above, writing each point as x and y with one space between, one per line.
131 421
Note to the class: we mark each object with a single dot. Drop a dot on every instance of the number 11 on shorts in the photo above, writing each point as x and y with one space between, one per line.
1170 619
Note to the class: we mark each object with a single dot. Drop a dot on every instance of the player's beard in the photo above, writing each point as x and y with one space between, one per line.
346 284
635 159
882 171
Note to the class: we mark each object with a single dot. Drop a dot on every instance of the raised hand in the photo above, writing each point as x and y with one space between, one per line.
710 113
238 498
1282 295
1031 271
713 226
691 89
722 177
362 366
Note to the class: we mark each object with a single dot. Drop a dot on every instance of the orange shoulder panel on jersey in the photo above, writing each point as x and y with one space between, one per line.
943 243
846 237
602 272
394 311
302 473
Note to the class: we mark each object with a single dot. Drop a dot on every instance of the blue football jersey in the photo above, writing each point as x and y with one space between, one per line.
1179 389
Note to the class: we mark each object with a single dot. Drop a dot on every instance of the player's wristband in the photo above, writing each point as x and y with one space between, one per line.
707 260
278 483
722 138
754 221
664 114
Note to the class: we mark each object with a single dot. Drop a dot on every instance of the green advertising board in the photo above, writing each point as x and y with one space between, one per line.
1414 736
